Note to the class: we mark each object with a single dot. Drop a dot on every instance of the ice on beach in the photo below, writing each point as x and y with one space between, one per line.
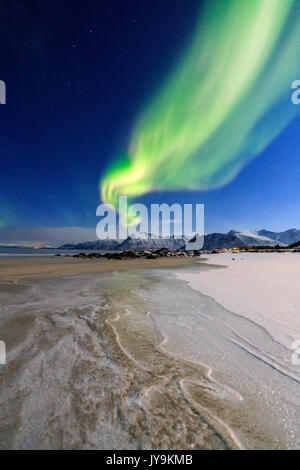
263 287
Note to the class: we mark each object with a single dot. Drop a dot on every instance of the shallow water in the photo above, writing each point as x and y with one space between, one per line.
23 252
136 360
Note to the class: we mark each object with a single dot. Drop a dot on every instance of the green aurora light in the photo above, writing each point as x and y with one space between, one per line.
223 104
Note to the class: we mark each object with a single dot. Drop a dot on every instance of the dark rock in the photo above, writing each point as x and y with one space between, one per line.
152 256
130 253
80 255
146 252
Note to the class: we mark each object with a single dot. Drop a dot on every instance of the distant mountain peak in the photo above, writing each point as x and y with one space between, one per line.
243 238
234 238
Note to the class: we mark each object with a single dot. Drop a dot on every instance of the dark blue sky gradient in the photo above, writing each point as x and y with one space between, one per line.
77 75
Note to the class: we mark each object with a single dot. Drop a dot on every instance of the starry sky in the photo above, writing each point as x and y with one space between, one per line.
77 75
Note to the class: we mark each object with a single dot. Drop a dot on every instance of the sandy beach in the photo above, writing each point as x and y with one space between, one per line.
114 355
149 228
14 269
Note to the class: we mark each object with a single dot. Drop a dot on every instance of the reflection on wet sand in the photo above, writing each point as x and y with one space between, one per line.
90 367
86 372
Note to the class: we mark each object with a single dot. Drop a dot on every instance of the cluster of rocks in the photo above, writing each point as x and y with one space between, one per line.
145 254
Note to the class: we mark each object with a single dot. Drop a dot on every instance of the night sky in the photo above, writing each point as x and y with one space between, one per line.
77 76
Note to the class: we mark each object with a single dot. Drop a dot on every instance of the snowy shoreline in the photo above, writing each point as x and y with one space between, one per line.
262 287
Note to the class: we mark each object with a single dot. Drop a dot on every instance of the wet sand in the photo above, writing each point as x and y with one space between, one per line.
14 269
129 358
87 368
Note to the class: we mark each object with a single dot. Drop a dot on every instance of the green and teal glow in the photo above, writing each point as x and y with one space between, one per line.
225 101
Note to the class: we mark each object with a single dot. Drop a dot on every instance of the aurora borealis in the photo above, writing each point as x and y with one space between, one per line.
164 102
224 102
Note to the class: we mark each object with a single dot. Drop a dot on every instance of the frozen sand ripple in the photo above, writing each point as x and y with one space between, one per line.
84 371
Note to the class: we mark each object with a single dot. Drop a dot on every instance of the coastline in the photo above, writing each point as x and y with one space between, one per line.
15 269
87 369
261 287
114 361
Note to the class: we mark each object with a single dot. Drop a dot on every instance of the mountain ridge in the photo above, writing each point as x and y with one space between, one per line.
213 241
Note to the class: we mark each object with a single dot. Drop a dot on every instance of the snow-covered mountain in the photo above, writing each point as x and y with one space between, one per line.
213 241
288 237
254 238
240 238
144 241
